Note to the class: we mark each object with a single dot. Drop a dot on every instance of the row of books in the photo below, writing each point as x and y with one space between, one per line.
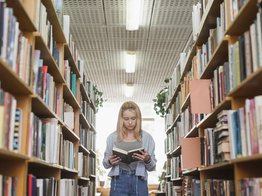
189 120
70 77
43 134
245 128
220 87
173 190
45 28
41 186
228 12
204 53
69 37
43 25
83 165
237 133
233 8
191 186
174 138
15 49
69 116
88 111
67 154
176 169
87 138
173 111
185 86
217 142
250 186
218 187
8 185
244 56
92 165
176 76
11 118
53 187
58 5
181 128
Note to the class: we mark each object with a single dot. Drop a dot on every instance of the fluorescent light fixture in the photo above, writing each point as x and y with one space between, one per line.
132 14
130 61
129 90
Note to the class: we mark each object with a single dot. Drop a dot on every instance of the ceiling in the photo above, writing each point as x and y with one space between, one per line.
98 29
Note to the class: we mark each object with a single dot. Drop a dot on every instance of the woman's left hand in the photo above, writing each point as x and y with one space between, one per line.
143 156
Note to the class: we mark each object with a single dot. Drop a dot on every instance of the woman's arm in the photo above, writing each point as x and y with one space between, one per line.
108 152
151 163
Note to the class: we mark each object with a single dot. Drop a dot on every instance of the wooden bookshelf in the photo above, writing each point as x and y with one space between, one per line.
22 162
220 55
176 152
208 20
70 98
52 16
177 89
244 19
211 119
7 75
69 56
53 68
186 103
246 165
24 12
11 155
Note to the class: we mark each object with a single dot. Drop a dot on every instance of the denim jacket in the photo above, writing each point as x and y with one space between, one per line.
142 168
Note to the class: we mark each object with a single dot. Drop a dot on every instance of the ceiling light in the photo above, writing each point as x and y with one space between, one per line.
132 14
129 90
130 61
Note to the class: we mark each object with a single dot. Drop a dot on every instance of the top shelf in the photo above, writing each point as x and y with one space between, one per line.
208 21
245 18
25 22
52 16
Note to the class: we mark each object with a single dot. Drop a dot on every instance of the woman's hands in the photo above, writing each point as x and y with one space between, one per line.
143 156
113 160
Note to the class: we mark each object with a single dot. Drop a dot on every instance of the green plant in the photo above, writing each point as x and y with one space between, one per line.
99 100
160 100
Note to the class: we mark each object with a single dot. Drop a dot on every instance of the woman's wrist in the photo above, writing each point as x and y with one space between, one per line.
148 160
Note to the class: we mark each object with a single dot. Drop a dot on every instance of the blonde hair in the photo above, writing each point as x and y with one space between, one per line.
121 131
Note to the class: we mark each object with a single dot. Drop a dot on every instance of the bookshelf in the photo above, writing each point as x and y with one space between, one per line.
39 142
225 50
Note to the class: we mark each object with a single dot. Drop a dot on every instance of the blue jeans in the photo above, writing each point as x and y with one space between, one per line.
128 184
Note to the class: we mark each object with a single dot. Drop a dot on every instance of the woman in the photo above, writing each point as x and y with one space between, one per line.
129 179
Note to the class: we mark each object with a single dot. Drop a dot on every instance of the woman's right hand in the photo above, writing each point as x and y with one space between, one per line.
113 160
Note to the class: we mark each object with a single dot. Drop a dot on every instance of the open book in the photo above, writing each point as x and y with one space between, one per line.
126 156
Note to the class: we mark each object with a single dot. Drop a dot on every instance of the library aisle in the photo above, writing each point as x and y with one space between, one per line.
52 137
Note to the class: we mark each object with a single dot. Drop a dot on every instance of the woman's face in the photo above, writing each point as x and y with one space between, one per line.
129 117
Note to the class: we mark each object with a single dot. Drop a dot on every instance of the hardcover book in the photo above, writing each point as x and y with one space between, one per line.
126 156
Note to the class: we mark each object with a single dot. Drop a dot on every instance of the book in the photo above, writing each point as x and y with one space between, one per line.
191 160
200 96
126 156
